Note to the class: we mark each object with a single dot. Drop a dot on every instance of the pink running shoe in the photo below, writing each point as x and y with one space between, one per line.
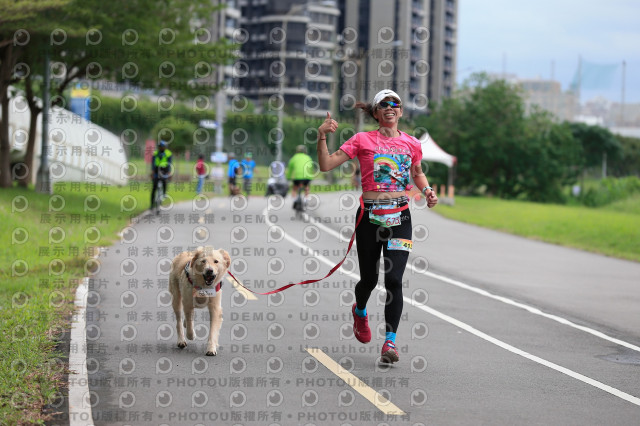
389 352
361 326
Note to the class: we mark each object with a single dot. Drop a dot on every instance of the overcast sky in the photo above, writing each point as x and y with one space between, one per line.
525 37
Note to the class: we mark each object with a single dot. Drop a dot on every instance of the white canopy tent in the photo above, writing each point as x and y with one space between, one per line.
431 151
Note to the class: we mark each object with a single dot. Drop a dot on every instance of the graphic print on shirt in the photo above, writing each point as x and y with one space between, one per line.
391 171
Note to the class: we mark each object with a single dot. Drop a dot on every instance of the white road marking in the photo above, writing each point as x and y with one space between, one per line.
613 391
246 293
370 394
506 300
464 326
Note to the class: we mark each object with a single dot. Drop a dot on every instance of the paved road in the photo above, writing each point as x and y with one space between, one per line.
496 329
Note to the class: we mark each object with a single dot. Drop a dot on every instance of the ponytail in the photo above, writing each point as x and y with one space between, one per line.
368 108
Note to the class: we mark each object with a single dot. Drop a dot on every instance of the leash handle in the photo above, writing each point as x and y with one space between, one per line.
335 268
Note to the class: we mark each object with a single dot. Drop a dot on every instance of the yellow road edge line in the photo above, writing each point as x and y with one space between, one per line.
379 401
247 294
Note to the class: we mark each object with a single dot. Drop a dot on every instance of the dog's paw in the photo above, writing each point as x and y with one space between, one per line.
212 353
182 345
190 334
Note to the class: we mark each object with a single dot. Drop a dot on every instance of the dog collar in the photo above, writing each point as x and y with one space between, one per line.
186 272
197 287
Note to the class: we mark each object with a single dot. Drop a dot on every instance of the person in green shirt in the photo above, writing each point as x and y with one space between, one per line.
300 170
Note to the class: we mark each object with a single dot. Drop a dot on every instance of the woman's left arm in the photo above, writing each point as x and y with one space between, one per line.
420 179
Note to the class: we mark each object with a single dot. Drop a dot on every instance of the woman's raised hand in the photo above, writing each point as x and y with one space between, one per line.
328 126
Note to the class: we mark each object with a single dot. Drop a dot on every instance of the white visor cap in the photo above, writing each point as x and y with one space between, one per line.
385 94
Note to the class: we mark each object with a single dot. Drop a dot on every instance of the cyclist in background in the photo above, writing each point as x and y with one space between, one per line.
248 164
161 163
233 172
300 170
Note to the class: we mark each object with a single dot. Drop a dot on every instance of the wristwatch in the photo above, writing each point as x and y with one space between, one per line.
424 190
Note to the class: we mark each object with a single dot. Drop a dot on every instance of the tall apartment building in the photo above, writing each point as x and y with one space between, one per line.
226 24
310 51
539 93
548 95
443 22
289 52
406 45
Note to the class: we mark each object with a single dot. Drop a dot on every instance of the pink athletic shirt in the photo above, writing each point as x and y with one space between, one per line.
385 162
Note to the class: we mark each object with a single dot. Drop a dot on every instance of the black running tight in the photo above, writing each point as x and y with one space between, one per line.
370 239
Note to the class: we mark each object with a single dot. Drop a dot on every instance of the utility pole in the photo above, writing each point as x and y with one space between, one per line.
283 52
624 73
578 85
220 106
360 93
43 179
504 65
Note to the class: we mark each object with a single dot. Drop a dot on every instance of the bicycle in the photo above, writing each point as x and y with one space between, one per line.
164 174
157 202
300 203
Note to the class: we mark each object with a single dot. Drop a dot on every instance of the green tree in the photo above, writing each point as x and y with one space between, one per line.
501 150
170 51
484 127
629 162
177 132
443 124
19 23
552 159
598 143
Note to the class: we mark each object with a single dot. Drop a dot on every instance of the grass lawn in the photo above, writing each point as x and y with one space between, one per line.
630 205
613 230
47 242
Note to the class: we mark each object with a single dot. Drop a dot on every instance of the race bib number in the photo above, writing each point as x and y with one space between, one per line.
386 220
205 292
399 244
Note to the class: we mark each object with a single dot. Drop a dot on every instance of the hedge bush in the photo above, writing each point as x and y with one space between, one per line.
610 190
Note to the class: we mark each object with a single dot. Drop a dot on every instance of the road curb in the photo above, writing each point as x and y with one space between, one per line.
79 407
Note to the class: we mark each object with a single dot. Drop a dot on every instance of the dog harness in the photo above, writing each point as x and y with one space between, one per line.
197 287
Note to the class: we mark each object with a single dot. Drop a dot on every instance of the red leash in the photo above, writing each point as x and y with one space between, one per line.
335 268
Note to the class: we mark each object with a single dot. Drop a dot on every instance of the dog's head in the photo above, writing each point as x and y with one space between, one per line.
208 266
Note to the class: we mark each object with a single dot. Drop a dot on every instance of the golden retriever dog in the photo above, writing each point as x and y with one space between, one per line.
192 274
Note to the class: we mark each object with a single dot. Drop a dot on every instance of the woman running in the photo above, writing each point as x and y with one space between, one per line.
388 160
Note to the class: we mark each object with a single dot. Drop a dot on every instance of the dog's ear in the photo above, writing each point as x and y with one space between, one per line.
225 256
196 255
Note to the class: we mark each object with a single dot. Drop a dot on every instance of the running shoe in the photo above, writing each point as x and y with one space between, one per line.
361 326
389 352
